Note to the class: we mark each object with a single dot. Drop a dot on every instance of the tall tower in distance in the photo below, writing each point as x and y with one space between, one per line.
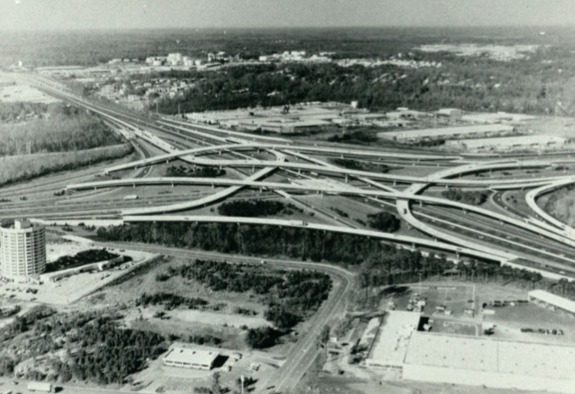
22 250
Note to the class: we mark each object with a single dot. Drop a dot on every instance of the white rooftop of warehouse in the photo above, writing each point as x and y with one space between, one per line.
521 140
495 117
193 356
447 131
391 343
305 110
489 355
552 299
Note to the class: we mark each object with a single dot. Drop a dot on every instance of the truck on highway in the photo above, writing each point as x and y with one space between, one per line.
43 387
131 197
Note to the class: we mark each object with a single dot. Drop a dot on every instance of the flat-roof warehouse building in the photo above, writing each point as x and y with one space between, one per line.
482 130
190 358
508 143
470 360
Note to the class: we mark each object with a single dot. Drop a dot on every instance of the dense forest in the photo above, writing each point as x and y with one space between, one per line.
470 83
249 240
96 348
299 243
381 264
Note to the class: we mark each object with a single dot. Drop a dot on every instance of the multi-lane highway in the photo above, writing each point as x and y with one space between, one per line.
539 242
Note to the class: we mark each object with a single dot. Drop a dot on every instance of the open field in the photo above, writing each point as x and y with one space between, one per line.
24 93
220 318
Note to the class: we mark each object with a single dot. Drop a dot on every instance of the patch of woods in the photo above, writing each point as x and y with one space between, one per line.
81 258
63 128
360 165
197 172
88 346
171 301
354 137
290 295
467 197
384 221
305 244
255 208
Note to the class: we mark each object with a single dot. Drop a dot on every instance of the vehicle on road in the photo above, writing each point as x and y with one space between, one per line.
43 387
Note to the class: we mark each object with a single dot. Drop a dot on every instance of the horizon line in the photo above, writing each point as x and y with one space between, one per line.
138 29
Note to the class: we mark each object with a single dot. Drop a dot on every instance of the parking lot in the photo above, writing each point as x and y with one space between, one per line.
455 301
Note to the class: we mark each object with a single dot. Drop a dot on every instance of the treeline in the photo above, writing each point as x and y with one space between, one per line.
80 259
170 301
356 137
255 208
290 296
94 348
58 133
264 240
198 172
467 197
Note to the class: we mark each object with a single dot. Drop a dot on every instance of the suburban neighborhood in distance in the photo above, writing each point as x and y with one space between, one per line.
242 197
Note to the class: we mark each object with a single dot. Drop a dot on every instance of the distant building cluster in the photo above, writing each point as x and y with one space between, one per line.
22 250
297 56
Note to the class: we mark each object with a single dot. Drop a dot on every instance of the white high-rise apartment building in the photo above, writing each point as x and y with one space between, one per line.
22 250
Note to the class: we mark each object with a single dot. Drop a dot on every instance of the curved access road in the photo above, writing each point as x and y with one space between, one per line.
532 196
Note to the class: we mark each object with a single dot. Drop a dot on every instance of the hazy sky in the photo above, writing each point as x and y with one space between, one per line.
113 14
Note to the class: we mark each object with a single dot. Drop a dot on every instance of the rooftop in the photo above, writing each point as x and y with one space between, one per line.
522 140
447 131
392 340
193 356
489 355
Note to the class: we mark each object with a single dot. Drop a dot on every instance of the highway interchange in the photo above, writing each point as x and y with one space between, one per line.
273 167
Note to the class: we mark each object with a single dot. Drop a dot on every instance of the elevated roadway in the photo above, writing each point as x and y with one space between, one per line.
531 199
402 197
499 256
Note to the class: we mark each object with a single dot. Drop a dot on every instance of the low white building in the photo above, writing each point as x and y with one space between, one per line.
190 358
482 130
507 143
